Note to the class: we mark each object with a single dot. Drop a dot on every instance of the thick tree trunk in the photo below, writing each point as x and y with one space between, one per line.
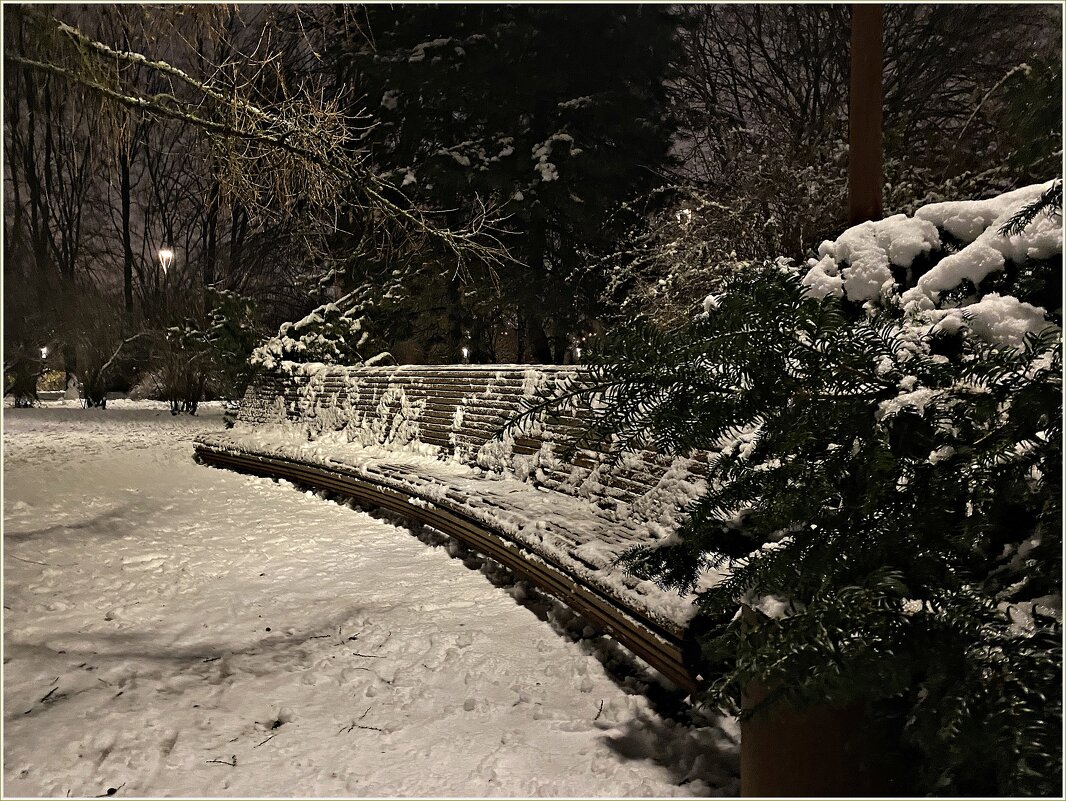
560 345
480 351
539 346
865 115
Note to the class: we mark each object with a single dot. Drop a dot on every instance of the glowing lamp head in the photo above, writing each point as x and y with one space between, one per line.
466 353
166 258
44 352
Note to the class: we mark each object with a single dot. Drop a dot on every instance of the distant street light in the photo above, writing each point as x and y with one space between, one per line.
44 352
466 355
166 258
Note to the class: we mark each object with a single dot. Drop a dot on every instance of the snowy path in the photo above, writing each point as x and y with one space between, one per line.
175 630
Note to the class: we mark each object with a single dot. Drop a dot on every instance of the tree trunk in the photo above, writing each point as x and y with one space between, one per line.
520 340
539 346
127 242
865 115
238 227
70 363
560 345
454 313
211 237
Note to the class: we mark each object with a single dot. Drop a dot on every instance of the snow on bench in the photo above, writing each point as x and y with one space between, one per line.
422 441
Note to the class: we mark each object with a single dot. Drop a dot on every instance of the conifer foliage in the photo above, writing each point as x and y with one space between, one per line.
551 114
884 490
328 335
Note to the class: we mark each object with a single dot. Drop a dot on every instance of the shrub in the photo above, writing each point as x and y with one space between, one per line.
327 335
884 438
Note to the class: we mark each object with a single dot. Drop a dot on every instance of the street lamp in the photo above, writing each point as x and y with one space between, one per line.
166 258
44 352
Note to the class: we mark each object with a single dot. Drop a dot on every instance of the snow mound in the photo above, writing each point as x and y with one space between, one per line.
857 266
325 336
184 632
977 222
1003 320
867 251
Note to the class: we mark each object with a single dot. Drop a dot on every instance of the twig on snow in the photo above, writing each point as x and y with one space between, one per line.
31 561
267 740
598 713
232 763
355 725
368 656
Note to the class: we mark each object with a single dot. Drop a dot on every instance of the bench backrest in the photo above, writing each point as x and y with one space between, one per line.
459 411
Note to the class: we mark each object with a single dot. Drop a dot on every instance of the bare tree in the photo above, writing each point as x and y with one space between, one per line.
52 163
282 150
761 92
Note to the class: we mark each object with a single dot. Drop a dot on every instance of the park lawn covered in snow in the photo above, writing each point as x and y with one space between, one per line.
176 630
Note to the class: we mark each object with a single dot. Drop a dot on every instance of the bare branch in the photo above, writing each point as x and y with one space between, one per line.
321 169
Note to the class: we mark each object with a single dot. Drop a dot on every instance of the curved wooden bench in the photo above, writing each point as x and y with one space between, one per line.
420 442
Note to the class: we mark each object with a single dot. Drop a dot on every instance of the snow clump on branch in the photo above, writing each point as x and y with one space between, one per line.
954 246
325 336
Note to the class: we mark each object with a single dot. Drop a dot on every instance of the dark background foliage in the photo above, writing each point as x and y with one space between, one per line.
628 158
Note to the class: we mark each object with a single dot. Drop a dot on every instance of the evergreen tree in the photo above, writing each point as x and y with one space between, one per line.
233 334
884 440
553 115
328 335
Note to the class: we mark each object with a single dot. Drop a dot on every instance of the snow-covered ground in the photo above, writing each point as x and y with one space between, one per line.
175 630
